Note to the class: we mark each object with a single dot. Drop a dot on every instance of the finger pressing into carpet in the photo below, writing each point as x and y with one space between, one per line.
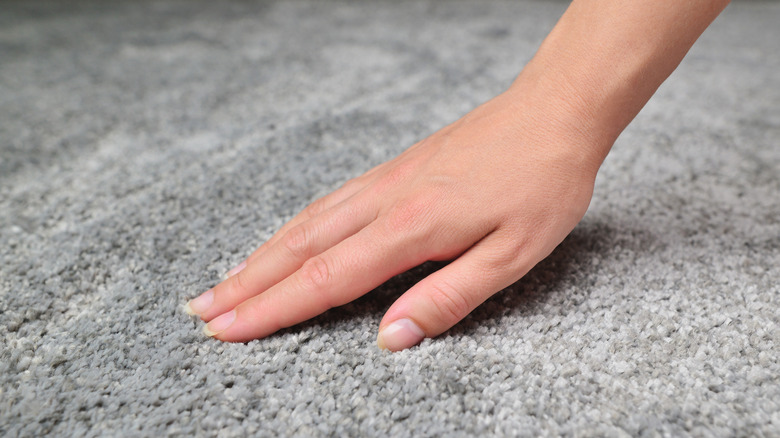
445 297
311 211
302 242
335 277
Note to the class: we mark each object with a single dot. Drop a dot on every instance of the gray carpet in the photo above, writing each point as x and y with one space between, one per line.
148 147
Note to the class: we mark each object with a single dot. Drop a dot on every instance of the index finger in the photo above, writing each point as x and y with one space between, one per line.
337 276
347 190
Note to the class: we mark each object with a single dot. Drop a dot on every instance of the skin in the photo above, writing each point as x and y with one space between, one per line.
495 192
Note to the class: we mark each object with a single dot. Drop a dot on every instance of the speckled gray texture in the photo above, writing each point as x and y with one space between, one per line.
148 146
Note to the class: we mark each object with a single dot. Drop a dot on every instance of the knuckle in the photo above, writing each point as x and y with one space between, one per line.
398 173
513 253
316 273
296 241
409 215
315 208
451 304
395 175
507 255
238 282
351 185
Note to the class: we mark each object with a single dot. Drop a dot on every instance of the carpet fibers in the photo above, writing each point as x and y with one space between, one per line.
147 147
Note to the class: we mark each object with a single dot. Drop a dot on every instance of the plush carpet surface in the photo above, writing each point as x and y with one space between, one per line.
147 147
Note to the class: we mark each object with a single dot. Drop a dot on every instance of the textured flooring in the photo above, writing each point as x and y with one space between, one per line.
147 147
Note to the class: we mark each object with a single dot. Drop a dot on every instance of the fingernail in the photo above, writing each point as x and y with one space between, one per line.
236 270
220 323
199 305
400 335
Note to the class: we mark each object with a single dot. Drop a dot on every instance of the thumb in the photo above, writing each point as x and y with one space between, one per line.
445 297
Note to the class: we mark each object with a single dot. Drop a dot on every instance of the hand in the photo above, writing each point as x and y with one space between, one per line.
495 192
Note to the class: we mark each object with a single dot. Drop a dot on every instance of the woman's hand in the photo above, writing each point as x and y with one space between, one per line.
495 192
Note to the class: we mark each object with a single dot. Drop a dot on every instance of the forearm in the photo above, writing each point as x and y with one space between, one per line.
604 60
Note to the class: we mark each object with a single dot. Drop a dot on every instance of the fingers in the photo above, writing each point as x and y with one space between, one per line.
312 210
445 297
337 276
349 189
289 252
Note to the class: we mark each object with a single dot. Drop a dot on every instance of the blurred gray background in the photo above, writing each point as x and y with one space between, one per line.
147 147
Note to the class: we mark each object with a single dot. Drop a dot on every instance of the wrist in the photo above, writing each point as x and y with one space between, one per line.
604 60
563 114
